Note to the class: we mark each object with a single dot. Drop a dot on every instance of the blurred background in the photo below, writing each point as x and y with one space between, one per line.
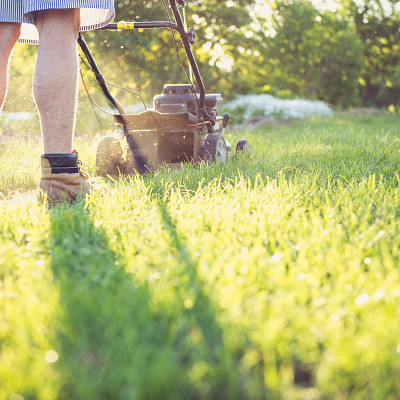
345 53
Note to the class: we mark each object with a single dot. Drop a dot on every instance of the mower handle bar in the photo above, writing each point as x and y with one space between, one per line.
139 25
179 27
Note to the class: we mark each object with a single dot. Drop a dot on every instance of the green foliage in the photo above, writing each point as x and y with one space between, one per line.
311 54
377 24
273 276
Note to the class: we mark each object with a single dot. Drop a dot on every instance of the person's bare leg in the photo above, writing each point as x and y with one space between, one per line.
56 77
9 33
55 91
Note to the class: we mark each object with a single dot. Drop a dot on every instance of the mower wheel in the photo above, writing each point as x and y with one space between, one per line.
109 159
242 147
215 149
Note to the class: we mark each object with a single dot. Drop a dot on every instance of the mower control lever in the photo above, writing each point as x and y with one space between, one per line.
225 120
191 36
181 3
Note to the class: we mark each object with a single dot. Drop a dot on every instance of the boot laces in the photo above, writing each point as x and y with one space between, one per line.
83 174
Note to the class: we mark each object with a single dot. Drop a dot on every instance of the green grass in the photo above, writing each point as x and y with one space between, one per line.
274 276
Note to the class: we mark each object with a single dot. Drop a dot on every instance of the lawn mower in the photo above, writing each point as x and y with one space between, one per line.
184 125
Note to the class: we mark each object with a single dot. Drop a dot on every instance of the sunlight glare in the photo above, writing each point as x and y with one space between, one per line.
326 5
51 356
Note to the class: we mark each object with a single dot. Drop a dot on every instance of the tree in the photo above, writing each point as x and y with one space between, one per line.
377 24
310 54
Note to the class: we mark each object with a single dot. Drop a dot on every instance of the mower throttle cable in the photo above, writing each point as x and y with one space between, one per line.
190 34
100 77
91 98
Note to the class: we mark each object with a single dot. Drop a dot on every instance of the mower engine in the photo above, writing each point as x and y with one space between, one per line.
181 98
170 134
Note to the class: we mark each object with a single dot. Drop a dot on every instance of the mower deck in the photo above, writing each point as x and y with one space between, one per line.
153 120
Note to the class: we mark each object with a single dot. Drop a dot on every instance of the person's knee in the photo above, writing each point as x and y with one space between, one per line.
9 33
64 21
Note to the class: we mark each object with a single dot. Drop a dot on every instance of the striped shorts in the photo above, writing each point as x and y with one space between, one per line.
94 14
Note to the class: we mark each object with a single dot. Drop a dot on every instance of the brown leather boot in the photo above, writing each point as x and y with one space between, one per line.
62 180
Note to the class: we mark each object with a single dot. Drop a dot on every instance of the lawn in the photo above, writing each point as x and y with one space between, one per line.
273 276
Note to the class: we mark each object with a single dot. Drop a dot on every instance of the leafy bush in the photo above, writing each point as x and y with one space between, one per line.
313 54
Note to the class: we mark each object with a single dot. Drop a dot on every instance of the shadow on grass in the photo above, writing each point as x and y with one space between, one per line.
202 328
112 346
114 342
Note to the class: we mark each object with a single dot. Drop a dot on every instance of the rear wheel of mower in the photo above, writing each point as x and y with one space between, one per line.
215 149
242 147
109 159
